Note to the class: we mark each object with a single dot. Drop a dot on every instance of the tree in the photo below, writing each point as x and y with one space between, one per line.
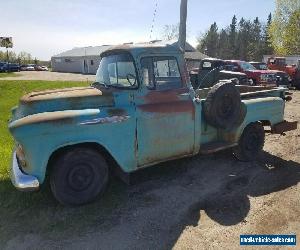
232 37
291 41
267 47
170 32
208 44
224 46
256 44
244 39
284 10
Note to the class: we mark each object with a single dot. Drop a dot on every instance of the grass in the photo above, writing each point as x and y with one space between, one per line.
36 213
10 74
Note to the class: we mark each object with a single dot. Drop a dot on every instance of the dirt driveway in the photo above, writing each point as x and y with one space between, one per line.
49 76
204 202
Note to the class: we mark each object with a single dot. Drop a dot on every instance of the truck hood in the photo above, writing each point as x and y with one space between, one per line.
62 99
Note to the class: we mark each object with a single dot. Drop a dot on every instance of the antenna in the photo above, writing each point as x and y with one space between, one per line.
153 20
182 28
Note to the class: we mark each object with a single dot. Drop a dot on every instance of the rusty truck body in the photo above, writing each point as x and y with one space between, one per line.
142 110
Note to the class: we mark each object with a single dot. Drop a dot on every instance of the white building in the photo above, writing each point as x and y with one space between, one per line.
78 60
86 60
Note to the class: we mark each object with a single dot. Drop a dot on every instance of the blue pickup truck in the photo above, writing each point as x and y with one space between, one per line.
142 110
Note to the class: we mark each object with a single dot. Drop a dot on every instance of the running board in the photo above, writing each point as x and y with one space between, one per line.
213 147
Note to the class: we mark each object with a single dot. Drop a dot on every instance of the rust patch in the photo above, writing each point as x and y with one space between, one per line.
59 117
165 95
169 107
60 93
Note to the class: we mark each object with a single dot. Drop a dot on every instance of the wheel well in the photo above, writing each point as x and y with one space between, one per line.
112 164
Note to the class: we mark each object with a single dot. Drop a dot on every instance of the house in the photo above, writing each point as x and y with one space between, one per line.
86 60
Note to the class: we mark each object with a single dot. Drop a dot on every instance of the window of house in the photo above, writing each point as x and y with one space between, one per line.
92 62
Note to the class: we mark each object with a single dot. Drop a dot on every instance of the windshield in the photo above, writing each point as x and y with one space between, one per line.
247 66
117 71
262 66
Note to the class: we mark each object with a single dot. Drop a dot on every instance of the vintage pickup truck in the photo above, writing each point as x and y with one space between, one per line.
142 110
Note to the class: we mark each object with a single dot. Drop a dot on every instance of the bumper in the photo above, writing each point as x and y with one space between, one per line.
21 181
284 126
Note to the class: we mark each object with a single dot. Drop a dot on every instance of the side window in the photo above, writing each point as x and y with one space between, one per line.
161 73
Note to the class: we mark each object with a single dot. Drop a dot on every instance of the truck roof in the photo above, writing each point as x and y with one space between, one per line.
149 47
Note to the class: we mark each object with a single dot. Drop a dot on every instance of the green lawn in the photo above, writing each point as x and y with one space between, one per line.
11 74
37 213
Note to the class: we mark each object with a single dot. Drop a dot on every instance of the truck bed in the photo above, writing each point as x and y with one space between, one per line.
249 91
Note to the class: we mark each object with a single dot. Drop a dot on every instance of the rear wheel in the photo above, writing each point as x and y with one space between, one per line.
251 142
79 176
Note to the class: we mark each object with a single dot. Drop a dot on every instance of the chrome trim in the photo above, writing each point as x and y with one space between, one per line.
21 181
113 119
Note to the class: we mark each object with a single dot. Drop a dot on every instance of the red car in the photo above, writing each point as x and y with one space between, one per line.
257 77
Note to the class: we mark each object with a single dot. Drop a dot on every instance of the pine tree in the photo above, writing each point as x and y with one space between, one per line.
233 38
209 43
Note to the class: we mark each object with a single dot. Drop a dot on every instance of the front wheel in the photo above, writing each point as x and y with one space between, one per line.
251 142
78 176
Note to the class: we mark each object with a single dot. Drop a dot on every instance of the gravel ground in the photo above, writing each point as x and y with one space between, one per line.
49 76
204 202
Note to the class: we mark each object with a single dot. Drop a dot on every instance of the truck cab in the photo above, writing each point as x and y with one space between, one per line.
279 63
212 70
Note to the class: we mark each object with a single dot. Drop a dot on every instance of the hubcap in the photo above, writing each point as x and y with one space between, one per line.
80 177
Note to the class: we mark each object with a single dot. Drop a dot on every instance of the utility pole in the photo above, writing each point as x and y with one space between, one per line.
182 27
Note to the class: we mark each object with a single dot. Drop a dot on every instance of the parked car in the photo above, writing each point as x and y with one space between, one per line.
279 63
257 77
211 70
3 67
28 67
9 67
282 77
44 68
13 67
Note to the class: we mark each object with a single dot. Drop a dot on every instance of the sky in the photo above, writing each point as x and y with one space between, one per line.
48 27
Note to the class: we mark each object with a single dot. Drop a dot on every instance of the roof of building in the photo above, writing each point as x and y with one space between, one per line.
191 52
84 51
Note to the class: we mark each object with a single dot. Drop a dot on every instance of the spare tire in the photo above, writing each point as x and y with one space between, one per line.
223 106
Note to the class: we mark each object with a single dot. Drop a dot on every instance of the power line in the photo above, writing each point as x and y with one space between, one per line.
153 20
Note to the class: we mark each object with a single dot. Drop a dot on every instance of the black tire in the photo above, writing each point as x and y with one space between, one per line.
78 176
251 143
223 106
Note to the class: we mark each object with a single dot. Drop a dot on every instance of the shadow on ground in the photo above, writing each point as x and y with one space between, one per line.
153 212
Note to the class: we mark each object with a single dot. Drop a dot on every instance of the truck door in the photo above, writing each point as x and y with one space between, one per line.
165 112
